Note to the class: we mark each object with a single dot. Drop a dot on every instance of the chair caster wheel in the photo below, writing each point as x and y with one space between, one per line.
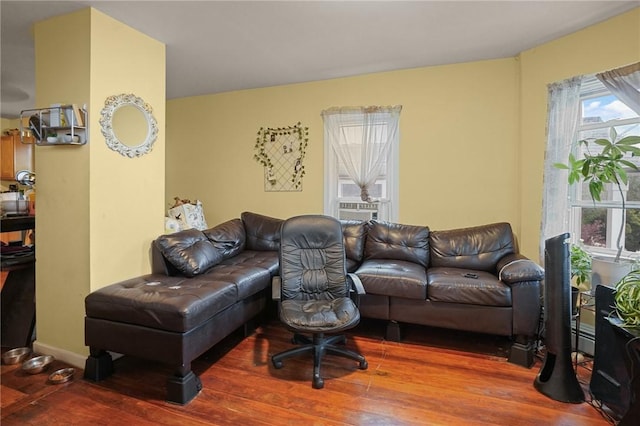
318 383
364 365
277 364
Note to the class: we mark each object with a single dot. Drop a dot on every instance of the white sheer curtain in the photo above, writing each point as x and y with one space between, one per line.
563 110
624 83
362 138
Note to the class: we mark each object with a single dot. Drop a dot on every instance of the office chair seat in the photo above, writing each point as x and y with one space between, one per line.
319 316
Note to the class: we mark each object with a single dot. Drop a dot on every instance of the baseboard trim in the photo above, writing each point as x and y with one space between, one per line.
72 358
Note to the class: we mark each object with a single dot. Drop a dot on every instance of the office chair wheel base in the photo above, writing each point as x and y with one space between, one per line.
364 365
277 364
318 383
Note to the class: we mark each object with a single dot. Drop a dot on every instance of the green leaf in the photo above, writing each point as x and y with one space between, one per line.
629 140
595 189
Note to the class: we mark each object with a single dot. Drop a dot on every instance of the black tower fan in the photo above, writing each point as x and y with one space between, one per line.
556 378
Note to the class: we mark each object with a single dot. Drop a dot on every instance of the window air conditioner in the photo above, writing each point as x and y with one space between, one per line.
358 211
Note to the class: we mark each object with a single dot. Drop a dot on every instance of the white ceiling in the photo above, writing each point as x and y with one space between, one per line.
219 46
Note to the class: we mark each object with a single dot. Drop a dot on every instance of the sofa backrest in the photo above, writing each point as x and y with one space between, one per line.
478 247
354 233
263 232
228 237
387 240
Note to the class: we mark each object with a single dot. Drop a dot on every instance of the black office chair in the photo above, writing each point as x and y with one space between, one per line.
315 291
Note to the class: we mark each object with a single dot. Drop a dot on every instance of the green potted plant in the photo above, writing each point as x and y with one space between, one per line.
627 299
580 261
580 265
607 166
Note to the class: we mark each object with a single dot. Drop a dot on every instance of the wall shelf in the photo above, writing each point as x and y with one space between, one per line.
55 125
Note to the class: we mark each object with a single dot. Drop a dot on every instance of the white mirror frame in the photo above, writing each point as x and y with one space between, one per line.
111 105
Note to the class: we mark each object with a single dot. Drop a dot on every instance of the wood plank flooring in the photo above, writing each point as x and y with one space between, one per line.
432 377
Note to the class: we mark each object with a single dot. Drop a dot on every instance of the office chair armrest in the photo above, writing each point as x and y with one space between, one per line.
356 284
276 283
355 288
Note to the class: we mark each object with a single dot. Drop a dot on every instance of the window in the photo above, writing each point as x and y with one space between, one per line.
597 225
361 162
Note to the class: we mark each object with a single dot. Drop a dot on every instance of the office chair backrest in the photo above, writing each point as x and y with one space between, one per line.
312 259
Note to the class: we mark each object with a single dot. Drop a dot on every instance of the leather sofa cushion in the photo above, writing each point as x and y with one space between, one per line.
248 279
264 259
450 285
354 234
263 232
189 251
478 248
166 303
398 278
228 237
387 240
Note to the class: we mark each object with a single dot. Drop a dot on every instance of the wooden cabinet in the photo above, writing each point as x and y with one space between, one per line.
14 156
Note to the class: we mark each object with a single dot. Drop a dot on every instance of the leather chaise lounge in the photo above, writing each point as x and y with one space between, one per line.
203 286
206 284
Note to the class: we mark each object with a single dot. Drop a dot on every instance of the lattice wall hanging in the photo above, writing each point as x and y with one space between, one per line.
281 152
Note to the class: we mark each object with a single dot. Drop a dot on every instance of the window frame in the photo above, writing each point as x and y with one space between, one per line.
389 205
593 89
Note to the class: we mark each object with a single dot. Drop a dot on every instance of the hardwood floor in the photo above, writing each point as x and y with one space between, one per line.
433 377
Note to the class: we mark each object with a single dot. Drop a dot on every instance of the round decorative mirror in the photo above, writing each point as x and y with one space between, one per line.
128 125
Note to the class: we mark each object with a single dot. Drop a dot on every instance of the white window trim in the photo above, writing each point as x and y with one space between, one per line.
331 178
593 89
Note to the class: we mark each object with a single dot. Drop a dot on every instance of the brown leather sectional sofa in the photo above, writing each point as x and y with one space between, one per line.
206 284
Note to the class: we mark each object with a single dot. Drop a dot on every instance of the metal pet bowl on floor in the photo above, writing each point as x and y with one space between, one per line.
61 376
37 364
15 356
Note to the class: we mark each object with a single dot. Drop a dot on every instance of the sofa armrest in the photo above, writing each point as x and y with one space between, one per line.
515 268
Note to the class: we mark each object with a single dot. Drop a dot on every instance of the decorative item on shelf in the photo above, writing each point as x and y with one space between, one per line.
281 151
71 138
52 137
35 125
188 214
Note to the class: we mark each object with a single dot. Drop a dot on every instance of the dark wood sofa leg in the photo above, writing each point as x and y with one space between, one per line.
393 331
183 386
522 351
99 365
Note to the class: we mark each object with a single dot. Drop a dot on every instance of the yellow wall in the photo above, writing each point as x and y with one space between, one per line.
459 133
127 202
7 123
97 211
472 135
601 47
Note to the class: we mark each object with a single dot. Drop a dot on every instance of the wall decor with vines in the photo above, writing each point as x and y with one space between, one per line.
281 152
